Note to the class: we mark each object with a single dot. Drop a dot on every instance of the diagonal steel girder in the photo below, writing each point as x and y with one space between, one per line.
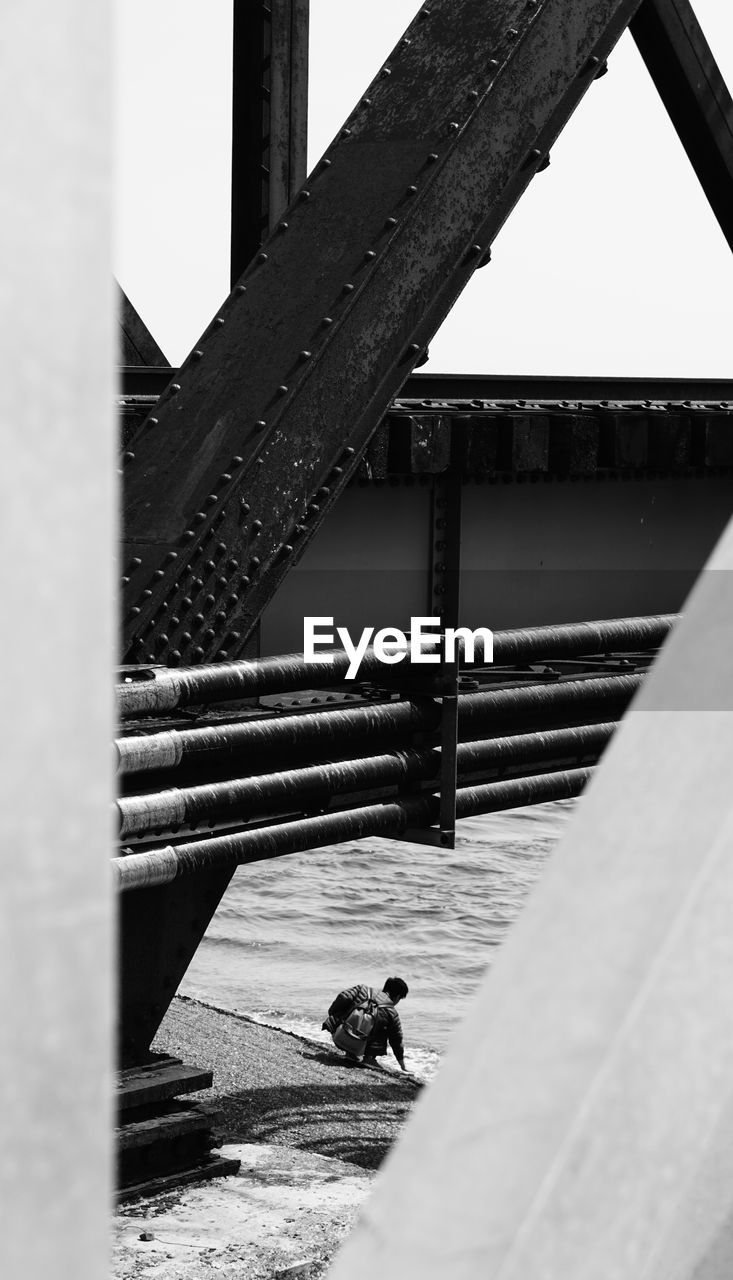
682 66
252 443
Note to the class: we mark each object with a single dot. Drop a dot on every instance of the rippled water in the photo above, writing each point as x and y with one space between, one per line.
291 933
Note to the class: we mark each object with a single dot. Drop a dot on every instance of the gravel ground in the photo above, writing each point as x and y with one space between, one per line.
277 1088
310 1132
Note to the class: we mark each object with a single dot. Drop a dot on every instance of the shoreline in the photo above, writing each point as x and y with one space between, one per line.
311 1131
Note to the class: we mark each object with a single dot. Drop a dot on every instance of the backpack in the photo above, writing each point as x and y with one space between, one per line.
352 1034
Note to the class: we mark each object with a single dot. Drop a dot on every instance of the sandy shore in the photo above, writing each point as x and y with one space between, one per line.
310 1131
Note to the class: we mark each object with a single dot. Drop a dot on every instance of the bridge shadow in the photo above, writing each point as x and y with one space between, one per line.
356 1119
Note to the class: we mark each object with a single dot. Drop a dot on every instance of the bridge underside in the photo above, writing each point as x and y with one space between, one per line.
295 466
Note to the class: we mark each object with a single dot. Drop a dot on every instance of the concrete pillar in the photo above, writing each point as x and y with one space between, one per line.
580 1125
58 510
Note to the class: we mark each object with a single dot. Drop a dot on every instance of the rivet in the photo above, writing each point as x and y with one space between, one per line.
244 506
256 527
432 157
174 657
286 550
391 222
454 126
125 582
198 583
199 518
346 133
368 256
220 616
282 390
175 621
326 321
209 634
348 288
135 611
196 355
405 42
232 600
197 653
304 195
162 640
260 424
128 457
312 509
386 71
424 13
282 226
209 600
187 602
337 471
240 288
254 563
222 582
174 388
199 619
305 355
232 565
211 499
262 257
366 102
186 638
244 580
153 422
534 155
544 164
325 163
493 63
158 574
348 451
219 321
222 654
221 548
474 251
135 562
236 461
147 593
512 33
231 637
323 492
473 94
412 190
413 348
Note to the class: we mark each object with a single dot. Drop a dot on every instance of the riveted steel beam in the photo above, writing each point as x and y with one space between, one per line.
269 118
265 422
138 347
683 68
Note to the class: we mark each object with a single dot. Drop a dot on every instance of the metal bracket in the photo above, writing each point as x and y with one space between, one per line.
443 603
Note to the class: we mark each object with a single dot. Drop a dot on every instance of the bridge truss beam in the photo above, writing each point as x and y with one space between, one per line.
265 423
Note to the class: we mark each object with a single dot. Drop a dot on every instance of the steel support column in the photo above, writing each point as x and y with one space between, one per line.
269 118
683 68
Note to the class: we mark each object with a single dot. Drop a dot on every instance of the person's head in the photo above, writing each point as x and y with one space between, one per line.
396 989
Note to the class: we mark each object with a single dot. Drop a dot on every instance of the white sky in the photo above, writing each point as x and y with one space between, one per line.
612 263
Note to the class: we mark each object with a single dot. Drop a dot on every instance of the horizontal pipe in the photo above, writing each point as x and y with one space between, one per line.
252 739
227 681
262 796
487 714
161 866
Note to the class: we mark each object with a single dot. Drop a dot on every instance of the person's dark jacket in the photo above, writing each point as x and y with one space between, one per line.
386 1028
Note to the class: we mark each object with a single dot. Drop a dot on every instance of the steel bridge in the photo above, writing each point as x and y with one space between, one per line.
297 464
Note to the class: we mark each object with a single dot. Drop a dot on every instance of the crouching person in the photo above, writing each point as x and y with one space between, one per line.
363 1021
